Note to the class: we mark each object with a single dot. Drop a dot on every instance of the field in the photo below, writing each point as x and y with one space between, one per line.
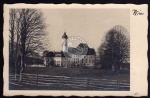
59 78
77 72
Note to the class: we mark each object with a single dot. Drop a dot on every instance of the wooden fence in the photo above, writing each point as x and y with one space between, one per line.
68 83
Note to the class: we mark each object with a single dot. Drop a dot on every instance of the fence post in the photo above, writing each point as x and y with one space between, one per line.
37 80
15 74
20 77
118 84
62 80
87 83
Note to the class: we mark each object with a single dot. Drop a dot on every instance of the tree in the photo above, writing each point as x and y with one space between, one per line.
115 49
31 31
12 19
45 53
27 33
14 40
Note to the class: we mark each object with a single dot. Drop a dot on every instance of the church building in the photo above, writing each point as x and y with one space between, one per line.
60 58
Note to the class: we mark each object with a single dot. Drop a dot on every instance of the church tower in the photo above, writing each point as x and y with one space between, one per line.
65 44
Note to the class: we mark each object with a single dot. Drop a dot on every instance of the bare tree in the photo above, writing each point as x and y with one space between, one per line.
115 49
31 32
27 32
12 34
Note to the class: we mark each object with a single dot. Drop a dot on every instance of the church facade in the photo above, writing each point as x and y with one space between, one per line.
61 59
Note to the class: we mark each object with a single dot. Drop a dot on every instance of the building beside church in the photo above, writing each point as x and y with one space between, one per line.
59 58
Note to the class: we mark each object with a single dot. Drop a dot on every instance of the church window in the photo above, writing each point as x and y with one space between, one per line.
85 60
93 61
76 59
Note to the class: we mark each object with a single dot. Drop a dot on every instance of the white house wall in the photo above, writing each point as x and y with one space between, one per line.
58 60
88 60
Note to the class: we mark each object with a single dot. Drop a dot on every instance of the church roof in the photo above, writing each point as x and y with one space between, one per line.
82 45
91 51
59 54
55 54
50 54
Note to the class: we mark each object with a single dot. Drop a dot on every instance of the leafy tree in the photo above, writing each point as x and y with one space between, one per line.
115 49
45 53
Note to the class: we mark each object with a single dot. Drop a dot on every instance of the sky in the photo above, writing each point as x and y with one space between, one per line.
89 24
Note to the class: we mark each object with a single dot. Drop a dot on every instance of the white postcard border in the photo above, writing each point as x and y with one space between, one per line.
138 51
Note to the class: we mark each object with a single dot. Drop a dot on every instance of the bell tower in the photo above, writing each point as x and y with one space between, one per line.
65 43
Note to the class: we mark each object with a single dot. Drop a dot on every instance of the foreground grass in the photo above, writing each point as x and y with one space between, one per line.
77 72
73 72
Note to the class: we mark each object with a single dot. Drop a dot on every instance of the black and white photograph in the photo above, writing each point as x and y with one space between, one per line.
69 49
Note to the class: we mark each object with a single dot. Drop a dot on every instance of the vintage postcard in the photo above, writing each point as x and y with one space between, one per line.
80 50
